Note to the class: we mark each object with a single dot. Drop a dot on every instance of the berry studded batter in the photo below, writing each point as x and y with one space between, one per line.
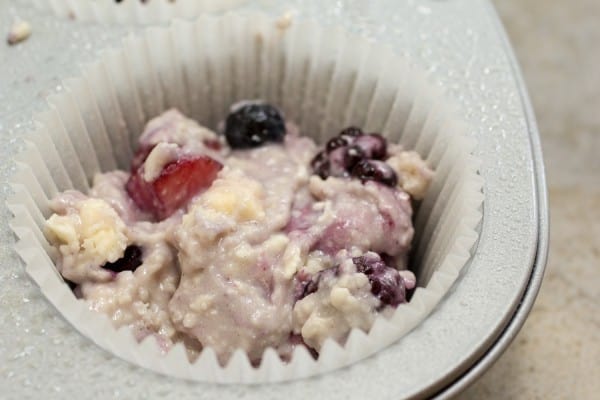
253 238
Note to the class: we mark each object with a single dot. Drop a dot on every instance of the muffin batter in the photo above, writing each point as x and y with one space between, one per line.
252 239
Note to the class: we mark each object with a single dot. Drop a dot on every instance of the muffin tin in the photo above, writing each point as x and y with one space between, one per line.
133 11
461 44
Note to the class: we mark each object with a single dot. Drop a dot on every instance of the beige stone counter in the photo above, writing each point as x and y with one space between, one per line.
557 353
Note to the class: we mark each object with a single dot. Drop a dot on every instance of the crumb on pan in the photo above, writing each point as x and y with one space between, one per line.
19 32
284 21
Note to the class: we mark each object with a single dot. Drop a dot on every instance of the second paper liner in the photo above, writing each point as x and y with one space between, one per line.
323 79
134 11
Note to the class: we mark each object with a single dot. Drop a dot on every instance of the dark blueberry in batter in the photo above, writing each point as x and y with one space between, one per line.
129 262
254 124
338 162
335 143
352 131
386 283
374 170
353 155
373 145
320 165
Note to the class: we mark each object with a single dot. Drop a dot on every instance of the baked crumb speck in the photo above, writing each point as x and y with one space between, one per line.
19 32
284 21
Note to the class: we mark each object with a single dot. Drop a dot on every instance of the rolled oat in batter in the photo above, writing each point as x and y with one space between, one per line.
252 239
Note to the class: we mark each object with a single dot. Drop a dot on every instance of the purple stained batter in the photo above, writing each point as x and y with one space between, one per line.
289 245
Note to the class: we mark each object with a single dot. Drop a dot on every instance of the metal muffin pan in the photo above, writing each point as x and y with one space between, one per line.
462 44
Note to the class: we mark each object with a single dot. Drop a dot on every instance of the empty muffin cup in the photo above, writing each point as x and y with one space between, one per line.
203 67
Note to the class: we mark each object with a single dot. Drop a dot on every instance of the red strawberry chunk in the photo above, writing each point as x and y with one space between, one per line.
181 180
177 183
141 192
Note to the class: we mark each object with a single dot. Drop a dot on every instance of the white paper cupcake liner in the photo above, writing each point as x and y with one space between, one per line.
203 67
134 11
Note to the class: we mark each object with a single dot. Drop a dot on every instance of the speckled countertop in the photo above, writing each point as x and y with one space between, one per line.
557 353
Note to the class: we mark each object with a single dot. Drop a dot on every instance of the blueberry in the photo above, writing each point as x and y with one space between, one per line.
352 156
336 142
338 162
388 287
352 131
374 170
369 263
373 145
254 124
129 262
386 283
320 165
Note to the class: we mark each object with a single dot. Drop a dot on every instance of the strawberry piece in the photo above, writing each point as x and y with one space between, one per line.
141 192
177 183
181 180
